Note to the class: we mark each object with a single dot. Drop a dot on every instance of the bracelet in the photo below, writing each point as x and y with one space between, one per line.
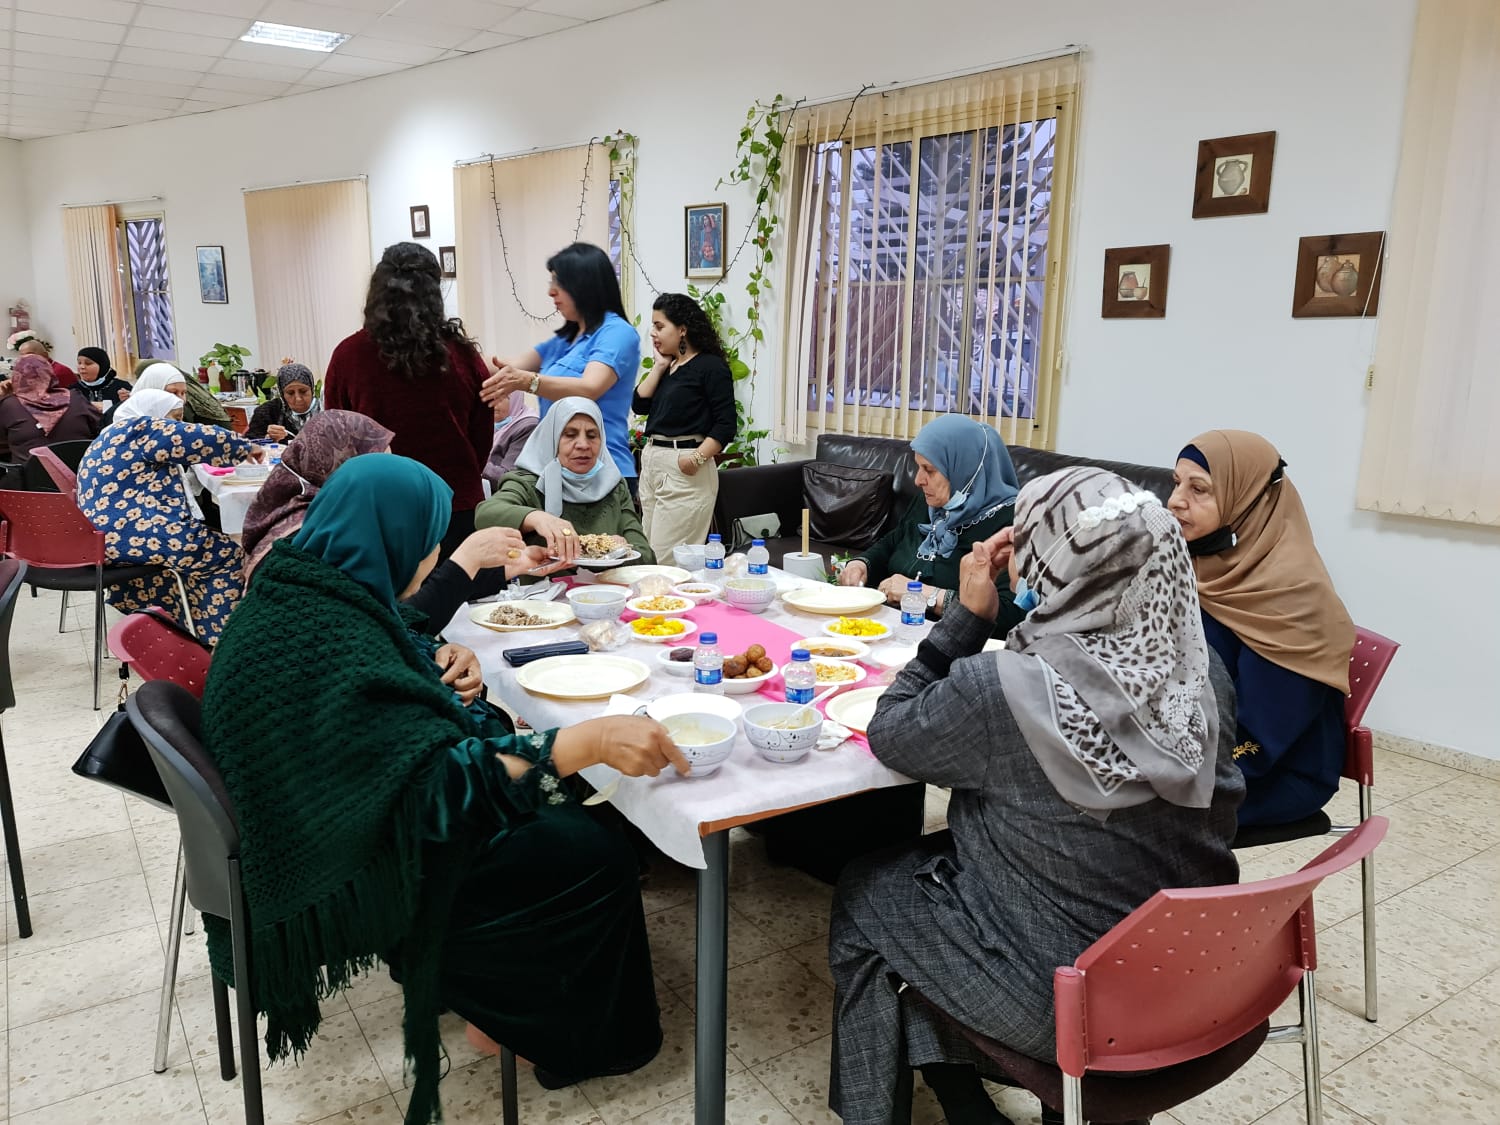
536 381
698 459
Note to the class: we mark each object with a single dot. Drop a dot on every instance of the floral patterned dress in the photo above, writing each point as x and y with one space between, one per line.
131 487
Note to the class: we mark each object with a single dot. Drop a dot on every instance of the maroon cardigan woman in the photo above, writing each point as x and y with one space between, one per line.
39 411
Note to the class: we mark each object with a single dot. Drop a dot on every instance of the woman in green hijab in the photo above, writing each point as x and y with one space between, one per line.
382 818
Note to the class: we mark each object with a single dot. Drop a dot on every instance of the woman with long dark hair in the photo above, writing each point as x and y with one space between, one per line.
414 370
688 401
594 354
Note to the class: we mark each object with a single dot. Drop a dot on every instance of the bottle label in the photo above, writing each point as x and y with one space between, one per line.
759 568
799 695
713 564
913 618
708 677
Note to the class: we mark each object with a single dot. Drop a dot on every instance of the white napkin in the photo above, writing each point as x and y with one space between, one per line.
833 735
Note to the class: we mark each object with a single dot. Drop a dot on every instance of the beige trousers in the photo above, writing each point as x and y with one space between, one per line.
675 508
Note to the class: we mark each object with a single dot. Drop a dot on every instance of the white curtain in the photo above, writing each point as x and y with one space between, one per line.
310 266
91 238
512 215
1429 446
894 297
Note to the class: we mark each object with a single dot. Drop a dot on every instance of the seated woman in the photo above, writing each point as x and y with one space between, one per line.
1090 764
283 417
1271 613
198 403
514 421
380 818
326 442
98 381
968 494
132 485
565 485
40 411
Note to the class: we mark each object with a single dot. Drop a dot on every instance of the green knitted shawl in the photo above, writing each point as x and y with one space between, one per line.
329 773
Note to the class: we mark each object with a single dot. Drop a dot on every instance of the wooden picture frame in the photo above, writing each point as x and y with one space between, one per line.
421 222
1338 274
213 281
1234 175
703 241
448 261
1135 282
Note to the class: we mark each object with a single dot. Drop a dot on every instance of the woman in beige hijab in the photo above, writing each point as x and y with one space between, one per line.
1271 613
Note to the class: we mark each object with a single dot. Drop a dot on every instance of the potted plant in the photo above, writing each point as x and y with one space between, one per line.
230 359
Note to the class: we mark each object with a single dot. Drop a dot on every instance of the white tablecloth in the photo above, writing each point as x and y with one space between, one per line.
233 497
674 811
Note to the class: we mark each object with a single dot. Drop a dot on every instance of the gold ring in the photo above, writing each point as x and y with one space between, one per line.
567 531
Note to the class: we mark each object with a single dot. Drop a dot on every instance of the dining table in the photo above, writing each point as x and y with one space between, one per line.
689 818
232 494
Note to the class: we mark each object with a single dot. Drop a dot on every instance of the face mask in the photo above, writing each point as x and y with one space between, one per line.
579 478
1026 598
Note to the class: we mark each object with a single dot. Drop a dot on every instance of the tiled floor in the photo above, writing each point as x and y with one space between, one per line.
79 997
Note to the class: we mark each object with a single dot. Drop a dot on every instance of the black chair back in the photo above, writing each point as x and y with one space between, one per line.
70 453
169 720
12 573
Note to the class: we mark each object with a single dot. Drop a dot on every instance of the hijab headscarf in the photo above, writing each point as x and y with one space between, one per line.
38 390
158 377
557 484
1271 588
520 409
150 403
280 506
975 461
100 357
1108 677
295 373
376 519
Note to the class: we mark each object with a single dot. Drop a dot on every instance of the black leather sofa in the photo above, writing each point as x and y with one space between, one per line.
778 489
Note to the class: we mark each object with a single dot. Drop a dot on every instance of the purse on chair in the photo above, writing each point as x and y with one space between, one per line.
118 757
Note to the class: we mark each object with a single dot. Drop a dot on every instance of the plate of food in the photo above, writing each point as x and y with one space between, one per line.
745 671
698 591
595 550
660 605
833 648
519 616
858 629
630 575
836 673
676 661
596 675
854 709
660 630
833 600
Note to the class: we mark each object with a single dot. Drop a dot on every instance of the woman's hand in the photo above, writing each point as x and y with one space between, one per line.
686 463
491 547
461 671
976 581
1002 545
122 394
634 745
894 588
562 540
505 380
276 433
257 453
855 573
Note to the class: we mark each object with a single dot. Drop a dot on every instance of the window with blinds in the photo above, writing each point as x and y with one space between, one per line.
926 228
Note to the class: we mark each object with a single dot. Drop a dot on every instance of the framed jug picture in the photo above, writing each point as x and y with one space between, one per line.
213 286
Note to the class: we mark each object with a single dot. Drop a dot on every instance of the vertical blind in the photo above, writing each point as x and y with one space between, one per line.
925 235
90 235
512 215
310 267
1429 445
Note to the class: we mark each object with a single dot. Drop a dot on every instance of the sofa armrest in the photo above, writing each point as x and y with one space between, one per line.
752 491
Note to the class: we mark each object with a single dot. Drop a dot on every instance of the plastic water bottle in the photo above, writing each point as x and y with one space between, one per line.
708 665
801 677
713 559
913 612
758 559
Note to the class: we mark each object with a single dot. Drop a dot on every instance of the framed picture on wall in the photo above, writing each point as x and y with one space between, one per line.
448 260
704 229
1338 275
1135 282
213 286
421 225
1234 175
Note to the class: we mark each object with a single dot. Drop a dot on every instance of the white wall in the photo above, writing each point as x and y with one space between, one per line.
15 247
1161 75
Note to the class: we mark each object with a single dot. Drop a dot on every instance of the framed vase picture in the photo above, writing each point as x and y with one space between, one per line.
448 260
1338 275
213 286
704 230
421 224
1234 175
1135 282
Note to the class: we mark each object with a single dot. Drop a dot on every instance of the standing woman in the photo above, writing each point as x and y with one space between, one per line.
283 417
415 371
595 354
97 380
688 401
1271 613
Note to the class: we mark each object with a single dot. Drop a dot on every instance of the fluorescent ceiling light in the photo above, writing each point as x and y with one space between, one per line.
285 35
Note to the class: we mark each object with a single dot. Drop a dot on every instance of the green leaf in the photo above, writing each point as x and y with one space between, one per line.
739 369
760 337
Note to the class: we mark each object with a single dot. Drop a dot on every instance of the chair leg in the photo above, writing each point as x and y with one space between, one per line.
98 630
224 1030
1312 1067
62 614
13 848
239 927
169 971
510 1113
1367 893
182 598
1072 1096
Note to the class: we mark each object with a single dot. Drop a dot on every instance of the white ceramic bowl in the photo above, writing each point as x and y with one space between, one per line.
672 667
683 702
689 556
723 714
680 605
250 470
747 684
677 638
598 603
753 594
831 629
698 592
779 745
850 649
711 742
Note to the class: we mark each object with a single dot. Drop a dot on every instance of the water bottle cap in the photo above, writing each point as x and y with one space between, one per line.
914 586
708 638
757 542
801 654
716 538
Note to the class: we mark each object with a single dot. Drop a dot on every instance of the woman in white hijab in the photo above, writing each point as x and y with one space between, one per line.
199 405
566 486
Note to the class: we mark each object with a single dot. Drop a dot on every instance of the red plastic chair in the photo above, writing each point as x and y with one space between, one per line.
63 551
64 478
1179 995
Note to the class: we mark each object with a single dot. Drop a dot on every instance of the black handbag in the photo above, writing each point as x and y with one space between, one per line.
117 756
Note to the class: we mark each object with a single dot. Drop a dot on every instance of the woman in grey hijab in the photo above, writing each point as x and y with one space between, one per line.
1090 763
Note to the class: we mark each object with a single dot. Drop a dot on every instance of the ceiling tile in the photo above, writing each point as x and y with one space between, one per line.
290 58
429 33
207 97
244 8
379 7
265 87
387 50
56 79
322 17
61 27
116 101
198 105
588 9
109 11
528 23
57 64
340 63
53 103
158 89
139 73
238 68
156 40
166 60
321 79
487 39
474 14
63 48
192 23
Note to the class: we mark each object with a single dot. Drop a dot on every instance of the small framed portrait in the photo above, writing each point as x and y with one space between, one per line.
704 226
1135 282
421 225
213 286
1234 175
1338 275
448 260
